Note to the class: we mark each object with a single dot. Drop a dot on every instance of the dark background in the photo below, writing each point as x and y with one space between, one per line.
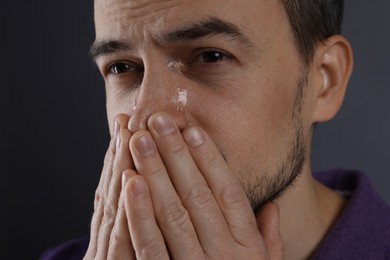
53 131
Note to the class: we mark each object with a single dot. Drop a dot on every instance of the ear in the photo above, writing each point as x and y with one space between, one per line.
332 65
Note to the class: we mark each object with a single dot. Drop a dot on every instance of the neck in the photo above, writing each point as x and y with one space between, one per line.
307 211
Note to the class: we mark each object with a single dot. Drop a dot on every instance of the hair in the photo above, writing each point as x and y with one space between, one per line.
312 22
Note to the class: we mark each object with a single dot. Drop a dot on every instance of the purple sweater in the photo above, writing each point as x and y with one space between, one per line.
363 229
361 232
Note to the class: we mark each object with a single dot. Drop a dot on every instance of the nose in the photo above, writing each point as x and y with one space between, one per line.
162 89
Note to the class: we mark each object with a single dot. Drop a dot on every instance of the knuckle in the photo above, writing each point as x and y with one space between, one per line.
103 194
98 199
116 239
200 195
154 249
174 215
157 171
109 213
121 208
175 147
233 195
208 156
143 215
97 194
116 169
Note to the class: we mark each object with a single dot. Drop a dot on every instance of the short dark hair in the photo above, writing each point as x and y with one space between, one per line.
312 22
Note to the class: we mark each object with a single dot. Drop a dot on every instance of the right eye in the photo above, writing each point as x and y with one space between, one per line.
119 68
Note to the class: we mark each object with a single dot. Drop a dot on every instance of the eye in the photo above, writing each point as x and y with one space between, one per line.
212 57
123 73
120 67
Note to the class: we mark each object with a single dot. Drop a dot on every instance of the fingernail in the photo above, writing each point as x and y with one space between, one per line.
145 145
164 125
138 187
118 142
116 127
194 137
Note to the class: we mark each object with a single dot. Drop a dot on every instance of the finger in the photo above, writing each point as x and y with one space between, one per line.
190 185
268 224
120 246
225 186
122 161
172 217
147 239
98 203
121 122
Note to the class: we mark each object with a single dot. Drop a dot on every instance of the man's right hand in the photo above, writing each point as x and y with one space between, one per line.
110 237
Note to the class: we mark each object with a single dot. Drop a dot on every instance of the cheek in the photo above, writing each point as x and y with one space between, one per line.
240 125
255 130
120 100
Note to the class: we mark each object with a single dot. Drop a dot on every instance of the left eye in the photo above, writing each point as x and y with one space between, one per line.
212 57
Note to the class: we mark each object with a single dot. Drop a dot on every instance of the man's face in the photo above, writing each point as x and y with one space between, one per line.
230 67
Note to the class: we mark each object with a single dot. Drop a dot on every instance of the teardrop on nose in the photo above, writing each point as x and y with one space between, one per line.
176 66
181 99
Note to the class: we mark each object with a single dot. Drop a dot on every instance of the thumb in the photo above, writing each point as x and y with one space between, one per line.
269 227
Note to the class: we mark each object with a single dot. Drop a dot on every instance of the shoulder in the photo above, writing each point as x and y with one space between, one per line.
71 250
363 229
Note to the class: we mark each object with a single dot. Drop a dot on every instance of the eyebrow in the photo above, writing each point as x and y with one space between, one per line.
105 47
211 26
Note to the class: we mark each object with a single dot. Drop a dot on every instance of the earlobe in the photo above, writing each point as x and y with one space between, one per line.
333 65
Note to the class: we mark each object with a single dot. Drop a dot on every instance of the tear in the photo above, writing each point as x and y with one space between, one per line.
181 99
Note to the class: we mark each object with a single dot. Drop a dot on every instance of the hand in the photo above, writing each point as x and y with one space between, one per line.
110 238
185 203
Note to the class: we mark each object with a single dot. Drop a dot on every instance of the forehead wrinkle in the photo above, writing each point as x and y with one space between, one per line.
134 8
156 31
208 27
132 18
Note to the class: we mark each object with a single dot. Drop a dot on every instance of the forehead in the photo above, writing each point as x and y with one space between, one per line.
118 18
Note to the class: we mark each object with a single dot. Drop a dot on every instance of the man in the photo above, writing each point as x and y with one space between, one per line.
212 106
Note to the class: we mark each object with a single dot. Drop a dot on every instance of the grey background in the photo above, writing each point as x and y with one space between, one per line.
53 131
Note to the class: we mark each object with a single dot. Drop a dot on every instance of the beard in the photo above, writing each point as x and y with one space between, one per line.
264 189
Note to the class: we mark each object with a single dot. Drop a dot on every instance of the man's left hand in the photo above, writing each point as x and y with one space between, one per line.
185 202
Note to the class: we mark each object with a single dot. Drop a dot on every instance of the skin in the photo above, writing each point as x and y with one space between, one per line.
189 190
